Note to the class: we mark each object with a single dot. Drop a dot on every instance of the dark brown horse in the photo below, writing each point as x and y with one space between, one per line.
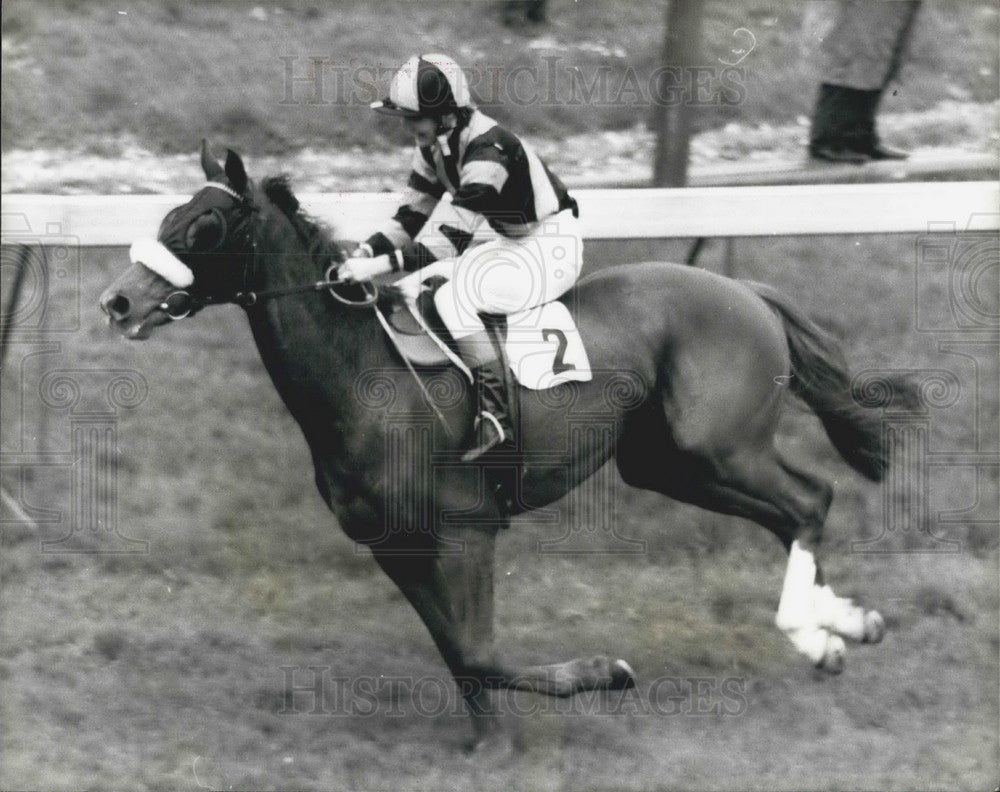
690 374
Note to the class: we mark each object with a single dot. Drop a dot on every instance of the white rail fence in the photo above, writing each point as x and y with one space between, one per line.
909 207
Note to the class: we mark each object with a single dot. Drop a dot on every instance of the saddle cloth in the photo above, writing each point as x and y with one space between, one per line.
543 345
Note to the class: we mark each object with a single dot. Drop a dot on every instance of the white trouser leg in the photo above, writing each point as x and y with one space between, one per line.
410 284
504 276
458 315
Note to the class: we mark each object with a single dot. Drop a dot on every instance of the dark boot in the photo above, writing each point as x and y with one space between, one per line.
880 151
838 154
536 11
839 121
493 422
868 142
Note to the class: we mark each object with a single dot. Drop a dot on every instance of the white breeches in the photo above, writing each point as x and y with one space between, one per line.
504 276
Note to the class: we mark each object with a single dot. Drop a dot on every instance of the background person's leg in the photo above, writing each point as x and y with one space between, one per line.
838 122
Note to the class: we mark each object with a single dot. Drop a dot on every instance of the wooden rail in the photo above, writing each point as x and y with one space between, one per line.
908 207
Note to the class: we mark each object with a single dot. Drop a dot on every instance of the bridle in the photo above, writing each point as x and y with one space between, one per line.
188 304
181 303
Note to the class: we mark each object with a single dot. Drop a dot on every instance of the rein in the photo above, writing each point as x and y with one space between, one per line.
246 298
330 281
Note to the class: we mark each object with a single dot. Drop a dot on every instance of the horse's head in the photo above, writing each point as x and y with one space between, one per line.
201 254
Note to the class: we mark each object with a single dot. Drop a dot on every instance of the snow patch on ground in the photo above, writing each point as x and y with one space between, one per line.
126 167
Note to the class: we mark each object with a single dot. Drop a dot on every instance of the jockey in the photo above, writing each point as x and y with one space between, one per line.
535 256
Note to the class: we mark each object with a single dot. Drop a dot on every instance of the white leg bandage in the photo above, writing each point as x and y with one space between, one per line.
795 608
817 644
838 614
796 615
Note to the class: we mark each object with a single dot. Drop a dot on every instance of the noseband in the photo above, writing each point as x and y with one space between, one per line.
181 303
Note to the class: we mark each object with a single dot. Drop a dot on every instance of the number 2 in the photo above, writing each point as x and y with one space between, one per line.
558 365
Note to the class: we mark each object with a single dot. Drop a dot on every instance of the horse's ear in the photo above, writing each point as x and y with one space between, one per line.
209 164
235 171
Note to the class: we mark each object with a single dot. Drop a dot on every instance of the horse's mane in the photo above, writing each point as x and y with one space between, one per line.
317 238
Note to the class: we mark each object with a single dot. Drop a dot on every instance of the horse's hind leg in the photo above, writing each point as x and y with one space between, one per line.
836 614
754 482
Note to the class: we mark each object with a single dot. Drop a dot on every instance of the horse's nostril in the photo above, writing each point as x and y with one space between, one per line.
116 306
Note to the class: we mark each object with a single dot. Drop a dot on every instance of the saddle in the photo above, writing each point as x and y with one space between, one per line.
543 345
413 336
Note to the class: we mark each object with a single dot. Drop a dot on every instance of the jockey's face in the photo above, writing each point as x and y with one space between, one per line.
424 130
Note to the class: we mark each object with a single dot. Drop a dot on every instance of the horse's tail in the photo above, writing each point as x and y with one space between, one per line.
821 378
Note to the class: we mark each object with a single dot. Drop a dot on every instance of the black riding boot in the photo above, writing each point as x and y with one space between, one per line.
838 122
493 421
868 142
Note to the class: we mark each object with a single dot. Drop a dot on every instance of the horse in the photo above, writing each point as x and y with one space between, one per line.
690 374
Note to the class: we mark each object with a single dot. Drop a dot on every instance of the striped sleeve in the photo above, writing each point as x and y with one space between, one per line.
483 175
423 191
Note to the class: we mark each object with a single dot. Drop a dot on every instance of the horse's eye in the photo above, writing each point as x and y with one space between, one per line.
206 232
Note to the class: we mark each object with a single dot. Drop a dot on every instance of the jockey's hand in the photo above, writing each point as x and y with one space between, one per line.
359 268
410 287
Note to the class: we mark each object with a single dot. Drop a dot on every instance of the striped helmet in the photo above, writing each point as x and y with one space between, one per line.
426 86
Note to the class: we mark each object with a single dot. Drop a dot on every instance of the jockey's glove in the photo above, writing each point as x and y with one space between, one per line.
359 268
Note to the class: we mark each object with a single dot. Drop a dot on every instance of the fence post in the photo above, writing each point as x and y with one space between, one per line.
672 116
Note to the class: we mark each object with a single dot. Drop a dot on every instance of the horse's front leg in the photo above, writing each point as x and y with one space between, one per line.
452 592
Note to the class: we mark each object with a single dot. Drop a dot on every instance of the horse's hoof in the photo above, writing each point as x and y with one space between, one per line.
622 676
495 748
832 661
874 628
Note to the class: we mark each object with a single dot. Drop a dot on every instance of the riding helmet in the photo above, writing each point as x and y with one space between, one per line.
426 86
